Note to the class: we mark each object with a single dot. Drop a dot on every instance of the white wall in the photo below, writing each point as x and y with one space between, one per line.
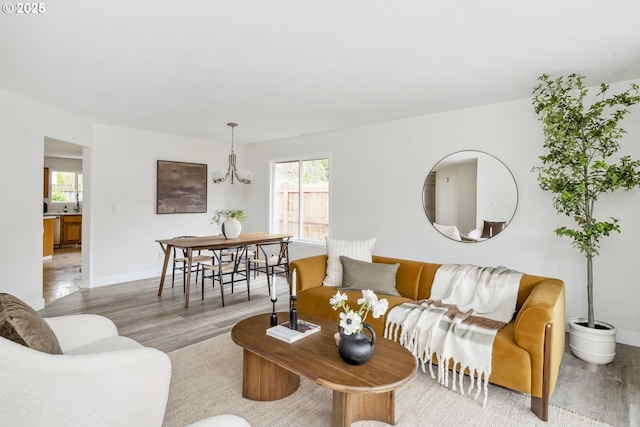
378 172
124 223
456 200
23 127
497 192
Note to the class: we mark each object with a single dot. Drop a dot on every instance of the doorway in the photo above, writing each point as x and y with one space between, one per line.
62 273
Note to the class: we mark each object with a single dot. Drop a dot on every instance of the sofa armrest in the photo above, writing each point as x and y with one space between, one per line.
75 330
545 305
310 272
117 388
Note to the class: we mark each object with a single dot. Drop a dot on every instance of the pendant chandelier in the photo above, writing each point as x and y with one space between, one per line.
233 174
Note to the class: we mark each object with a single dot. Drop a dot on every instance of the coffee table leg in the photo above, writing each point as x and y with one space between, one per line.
263 380
352 407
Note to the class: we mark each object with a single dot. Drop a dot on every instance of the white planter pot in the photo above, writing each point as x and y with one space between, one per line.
231 228
591 344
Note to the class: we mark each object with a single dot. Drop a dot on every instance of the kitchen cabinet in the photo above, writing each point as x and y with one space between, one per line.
46 183
70 230
47 237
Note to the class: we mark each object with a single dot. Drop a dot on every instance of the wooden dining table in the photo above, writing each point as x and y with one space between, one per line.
190 244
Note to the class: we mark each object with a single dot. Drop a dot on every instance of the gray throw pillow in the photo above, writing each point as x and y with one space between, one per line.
360 275
22 324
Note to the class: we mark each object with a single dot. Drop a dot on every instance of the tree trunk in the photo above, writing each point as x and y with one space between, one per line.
590 317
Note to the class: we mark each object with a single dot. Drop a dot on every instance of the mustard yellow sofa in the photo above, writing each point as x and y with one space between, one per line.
526 353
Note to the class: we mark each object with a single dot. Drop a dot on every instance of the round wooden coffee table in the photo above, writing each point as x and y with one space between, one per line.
272 369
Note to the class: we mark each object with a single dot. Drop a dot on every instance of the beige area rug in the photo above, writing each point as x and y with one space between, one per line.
207 380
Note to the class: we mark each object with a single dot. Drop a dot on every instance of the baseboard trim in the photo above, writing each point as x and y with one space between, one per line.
628 337
112 280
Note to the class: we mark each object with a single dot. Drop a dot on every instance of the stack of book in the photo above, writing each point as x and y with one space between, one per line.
284 333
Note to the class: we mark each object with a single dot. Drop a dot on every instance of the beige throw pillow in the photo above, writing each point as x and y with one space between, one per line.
23 325
360 275
361 250
451 231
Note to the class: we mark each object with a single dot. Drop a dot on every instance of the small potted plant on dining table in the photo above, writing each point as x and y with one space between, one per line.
230 221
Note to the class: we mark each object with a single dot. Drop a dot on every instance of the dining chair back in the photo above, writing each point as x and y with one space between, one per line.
229 267
181 262
272 259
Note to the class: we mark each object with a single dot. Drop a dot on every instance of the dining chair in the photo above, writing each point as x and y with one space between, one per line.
229 267
181 262
272 258
229 254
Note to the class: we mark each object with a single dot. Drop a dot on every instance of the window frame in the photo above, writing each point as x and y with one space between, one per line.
272 179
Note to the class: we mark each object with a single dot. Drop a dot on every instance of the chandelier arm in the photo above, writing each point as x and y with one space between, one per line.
224 178
232 172
242 180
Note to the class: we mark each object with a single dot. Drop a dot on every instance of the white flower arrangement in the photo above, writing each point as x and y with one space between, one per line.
352 321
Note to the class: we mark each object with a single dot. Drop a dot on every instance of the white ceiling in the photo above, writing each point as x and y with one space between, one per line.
283 68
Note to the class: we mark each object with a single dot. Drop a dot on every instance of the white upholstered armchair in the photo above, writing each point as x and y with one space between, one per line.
101 379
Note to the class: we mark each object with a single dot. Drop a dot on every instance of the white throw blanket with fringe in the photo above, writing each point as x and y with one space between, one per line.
467 307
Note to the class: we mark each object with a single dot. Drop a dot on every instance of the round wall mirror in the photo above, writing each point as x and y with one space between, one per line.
470 196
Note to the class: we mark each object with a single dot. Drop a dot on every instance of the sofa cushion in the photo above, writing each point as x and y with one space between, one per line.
22 324
451 231
315 302
357 249
104 345
359 275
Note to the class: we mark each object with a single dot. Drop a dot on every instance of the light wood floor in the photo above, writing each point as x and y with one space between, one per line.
609 393
61 275
163 322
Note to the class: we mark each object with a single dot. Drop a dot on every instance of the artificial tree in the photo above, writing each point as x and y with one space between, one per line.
579 164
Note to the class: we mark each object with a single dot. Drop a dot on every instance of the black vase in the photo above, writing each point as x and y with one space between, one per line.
356 349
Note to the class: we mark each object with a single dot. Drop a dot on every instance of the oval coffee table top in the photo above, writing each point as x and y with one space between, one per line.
316 357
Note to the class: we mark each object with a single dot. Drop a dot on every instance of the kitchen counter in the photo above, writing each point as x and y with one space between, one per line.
61 213
67 227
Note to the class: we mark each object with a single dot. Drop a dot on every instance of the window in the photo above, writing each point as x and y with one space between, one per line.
300 198
66 187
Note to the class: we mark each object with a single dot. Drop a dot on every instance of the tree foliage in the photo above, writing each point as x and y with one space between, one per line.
313 172
580 164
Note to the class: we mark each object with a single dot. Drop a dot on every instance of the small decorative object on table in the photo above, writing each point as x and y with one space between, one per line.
274 298
293 311
285 333
354 347
230 221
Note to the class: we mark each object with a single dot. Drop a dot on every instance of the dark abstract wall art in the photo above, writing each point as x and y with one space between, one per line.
181 187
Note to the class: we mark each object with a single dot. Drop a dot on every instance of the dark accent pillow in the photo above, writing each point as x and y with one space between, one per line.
491 228
22 324
360 275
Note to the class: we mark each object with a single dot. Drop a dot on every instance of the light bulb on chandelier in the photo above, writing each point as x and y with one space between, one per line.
233 174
